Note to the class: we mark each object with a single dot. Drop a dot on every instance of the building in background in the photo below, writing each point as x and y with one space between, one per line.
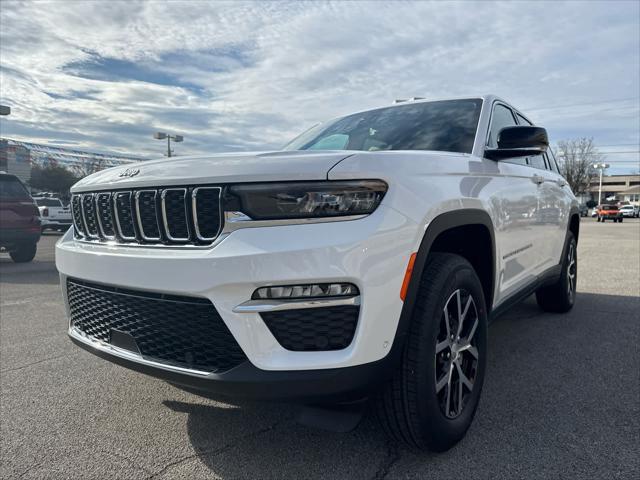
16 157
618 188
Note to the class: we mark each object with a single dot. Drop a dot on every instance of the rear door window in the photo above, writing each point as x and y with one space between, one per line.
48 202
11 187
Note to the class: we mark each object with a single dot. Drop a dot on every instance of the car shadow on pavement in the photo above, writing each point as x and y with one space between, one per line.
253 440
542 407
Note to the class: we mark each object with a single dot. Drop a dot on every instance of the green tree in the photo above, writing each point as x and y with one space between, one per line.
52 178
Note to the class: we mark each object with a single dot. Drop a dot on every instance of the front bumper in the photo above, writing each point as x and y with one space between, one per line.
249 382
371 253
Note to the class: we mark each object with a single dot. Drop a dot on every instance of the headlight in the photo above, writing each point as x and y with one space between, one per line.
290 200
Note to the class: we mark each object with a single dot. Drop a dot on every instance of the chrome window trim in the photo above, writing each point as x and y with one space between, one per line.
116 216
87 233
194 209
79 231
139 218
164 214
99 216
276 305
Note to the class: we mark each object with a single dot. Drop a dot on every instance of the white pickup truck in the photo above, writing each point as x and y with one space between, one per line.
53 214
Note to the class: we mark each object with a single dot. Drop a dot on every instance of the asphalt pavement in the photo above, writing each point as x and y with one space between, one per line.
561 398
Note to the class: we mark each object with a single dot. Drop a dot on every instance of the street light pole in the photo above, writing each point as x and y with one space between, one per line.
601 167
163 135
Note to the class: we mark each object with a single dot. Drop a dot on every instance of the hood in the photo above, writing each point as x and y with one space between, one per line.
218 168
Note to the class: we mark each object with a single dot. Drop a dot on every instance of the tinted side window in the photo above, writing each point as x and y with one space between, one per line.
11 187
502 117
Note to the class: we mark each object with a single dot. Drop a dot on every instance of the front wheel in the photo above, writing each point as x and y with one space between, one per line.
560 296
24 253
432 398
620 220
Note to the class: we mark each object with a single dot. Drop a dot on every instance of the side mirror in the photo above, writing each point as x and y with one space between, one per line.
520 141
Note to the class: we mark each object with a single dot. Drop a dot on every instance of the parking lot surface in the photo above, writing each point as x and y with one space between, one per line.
561 397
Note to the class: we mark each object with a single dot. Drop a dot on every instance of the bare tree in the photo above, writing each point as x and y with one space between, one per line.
88 166
577 157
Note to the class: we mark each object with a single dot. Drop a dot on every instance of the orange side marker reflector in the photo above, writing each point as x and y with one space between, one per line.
407 276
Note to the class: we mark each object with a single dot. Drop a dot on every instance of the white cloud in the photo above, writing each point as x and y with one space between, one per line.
255 74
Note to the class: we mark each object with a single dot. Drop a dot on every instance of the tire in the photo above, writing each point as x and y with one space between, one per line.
620 219
410 406
24 254
560 296
597 219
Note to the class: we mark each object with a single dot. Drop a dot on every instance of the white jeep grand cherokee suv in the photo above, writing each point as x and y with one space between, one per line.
362 261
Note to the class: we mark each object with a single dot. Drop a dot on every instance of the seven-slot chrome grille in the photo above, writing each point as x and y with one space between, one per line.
149 216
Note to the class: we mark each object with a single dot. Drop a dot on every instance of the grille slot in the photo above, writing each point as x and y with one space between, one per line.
313 329
76 213
89 215
179 216
174 214
180 331
205 202
122 214
104 214
147 215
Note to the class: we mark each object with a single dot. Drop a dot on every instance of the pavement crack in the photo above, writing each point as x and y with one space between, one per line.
29 468
8 370
214 451
393 455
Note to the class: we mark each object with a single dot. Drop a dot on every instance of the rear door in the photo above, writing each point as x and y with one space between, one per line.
16 205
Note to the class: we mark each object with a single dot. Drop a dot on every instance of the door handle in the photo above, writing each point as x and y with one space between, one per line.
537 179
562 183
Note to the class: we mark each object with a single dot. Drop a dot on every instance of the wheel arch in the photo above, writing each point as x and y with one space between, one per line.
439 226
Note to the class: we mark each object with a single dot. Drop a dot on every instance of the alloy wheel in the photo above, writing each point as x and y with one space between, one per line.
456 354
572 271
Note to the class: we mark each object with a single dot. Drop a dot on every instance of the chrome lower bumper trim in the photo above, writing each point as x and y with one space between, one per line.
257 306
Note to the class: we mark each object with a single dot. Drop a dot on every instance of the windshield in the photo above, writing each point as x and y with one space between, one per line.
609 207
11 187
48 202
448 125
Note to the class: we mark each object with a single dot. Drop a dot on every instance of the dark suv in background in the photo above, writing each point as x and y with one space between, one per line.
19 219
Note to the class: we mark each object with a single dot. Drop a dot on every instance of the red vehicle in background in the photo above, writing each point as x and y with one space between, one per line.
19 220
611 212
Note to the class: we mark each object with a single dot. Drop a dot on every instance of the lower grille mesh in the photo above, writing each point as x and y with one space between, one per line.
313 329
181 331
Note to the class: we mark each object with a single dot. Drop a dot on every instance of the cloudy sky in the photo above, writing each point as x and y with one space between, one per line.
250 76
